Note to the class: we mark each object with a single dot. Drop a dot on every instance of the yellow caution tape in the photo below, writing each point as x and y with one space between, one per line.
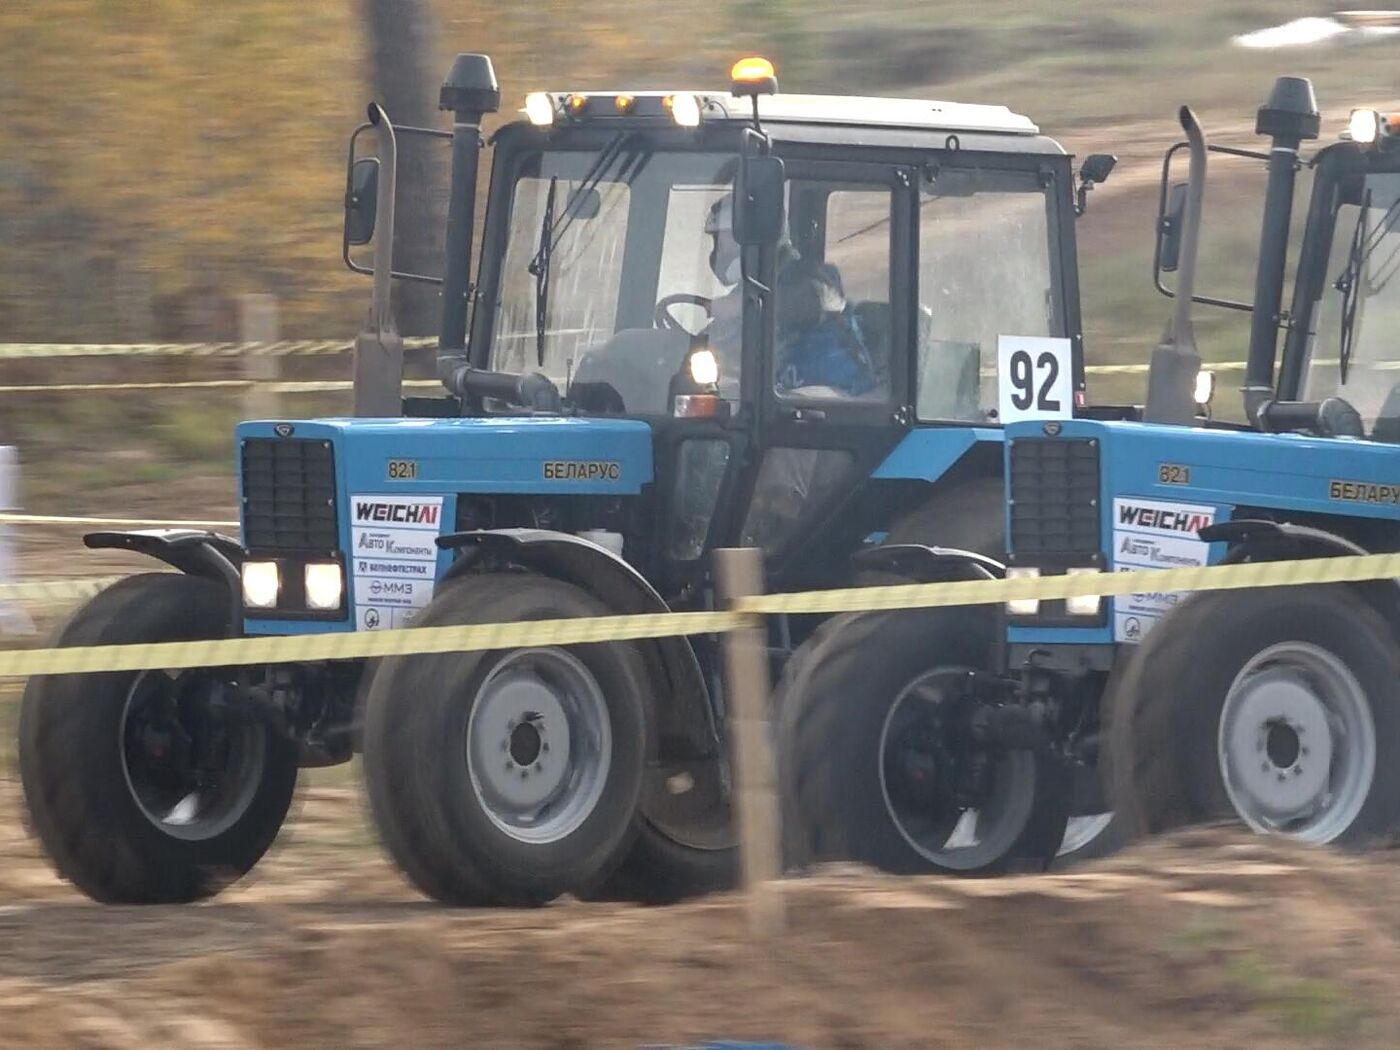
231 652
1350 569
279 348
479 637
7 518
55 590
288 387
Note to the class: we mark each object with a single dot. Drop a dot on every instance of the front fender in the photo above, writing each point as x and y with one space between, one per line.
1263 540
195 553
925 564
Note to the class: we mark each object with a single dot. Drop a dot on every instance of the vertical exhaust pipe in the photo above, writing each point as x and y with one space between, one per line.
1288 116
470 92
378 368
1171 376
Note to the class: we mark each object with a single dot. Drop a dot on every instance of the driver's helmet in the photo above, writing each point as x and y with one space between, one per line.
724 249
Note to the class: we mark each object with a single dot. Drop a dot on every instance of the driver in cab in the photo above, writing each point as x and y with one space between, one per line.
819 347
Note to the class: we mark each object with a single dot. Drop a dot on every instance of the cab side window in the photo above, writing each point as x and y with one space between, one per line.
986 268
832 293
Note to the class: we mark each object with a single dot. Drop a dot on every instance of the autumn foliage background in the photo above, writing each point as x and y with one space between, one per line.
160 157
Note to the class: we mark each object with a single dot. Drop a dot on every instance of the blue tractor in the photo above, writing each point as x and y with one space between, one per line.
698 320
1277 707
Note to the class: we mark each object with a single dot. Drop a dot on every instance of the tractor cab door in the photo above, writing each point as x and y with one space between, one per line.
833 375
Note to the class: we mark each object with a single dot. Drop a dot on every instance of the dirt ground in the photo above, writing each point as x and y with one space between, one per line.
1208 939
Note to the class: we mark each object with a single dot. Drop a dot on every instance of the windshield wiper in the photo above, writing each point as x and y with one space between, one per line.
539 267
1349 284
550 232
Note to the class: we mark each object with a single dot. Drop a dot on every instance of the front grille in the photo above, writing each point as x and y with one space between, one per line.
1054 497
289 495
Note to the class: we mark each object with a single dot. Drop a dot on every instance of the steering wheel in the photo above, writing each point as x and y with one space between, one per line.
663 318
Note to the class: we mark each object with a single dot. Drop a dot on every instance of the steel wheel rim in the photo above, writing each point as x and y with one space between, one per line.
538 745
189 804
1297 743
980 836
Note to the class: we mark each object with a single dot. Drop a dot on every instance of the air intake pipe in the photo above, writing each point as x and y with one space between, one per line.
1171 375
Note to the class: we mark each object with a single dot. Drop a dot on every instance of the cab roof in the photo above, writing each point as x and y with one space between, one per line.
847 110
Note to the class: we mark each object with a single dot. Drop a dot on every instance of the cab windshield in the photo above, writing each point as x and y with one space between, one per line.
1354 352
609 271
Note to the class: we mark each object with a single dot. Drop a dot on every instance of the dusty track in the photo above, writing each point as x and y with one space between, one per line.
1207 940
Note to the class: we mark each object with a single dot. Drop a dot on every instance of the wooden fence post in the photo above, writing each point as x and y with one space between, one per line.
740 573
258 323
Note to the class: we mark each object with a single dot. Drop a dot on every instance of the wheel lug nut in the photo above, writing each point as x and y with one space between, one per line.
538 767
510 764
524 774
545 747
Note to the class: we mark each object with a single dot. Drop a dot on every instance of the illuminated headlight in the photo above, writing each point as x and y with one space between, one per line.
539 109
324 586
704 367
685 110
1083 604
1023 606
261 584
1205 387
1364 125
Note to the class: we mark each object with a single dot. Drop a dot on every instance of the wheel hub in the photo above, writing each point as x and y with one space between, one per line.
956 800
538 744
191 769
1297 743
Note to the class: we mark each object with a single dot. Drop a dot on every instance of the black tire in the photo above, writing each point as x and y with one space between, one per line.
1094 792
659 870
74 763
1167 746
426 804
834 701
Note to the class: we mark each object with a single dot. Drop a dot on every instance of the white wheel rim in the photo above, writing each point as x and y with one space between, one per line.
538 745
1297 743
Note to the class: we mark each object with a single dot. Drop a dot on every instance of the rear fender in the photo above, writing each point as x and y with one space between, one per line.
686 728
195 553
1253 540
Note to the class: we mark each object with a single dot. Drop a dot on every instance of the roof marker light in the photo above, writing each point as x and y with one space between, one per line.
539 109
1364 125
685 110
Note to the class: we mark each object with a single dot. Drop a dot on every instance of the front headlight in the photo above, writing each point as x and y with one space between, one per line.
704 367
1083 604
324 586
261 584
1023 606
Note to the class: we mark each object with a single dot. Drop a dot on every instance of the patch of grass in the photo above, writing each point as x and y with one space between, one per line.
1304 1006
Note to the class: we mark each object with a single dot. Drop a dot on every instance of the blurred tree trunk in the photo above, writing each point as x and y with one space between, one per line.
406 73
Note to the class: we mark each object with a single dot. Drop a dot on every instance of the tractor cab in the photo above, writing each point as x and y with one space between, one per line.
777 288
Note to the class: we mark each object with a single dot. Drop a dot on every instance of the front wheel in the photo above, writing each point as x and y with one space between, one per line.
1276 707
880 762
151 786
508 777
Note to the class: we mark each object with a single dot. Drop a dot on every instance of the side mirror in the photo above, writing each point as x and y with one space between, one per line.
1097 167
758 200
1169 229
361 200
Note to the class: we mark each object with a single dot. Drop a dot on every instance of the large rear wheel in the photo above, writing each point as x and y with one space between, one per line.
151 786
508 777
1276 707
881 760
